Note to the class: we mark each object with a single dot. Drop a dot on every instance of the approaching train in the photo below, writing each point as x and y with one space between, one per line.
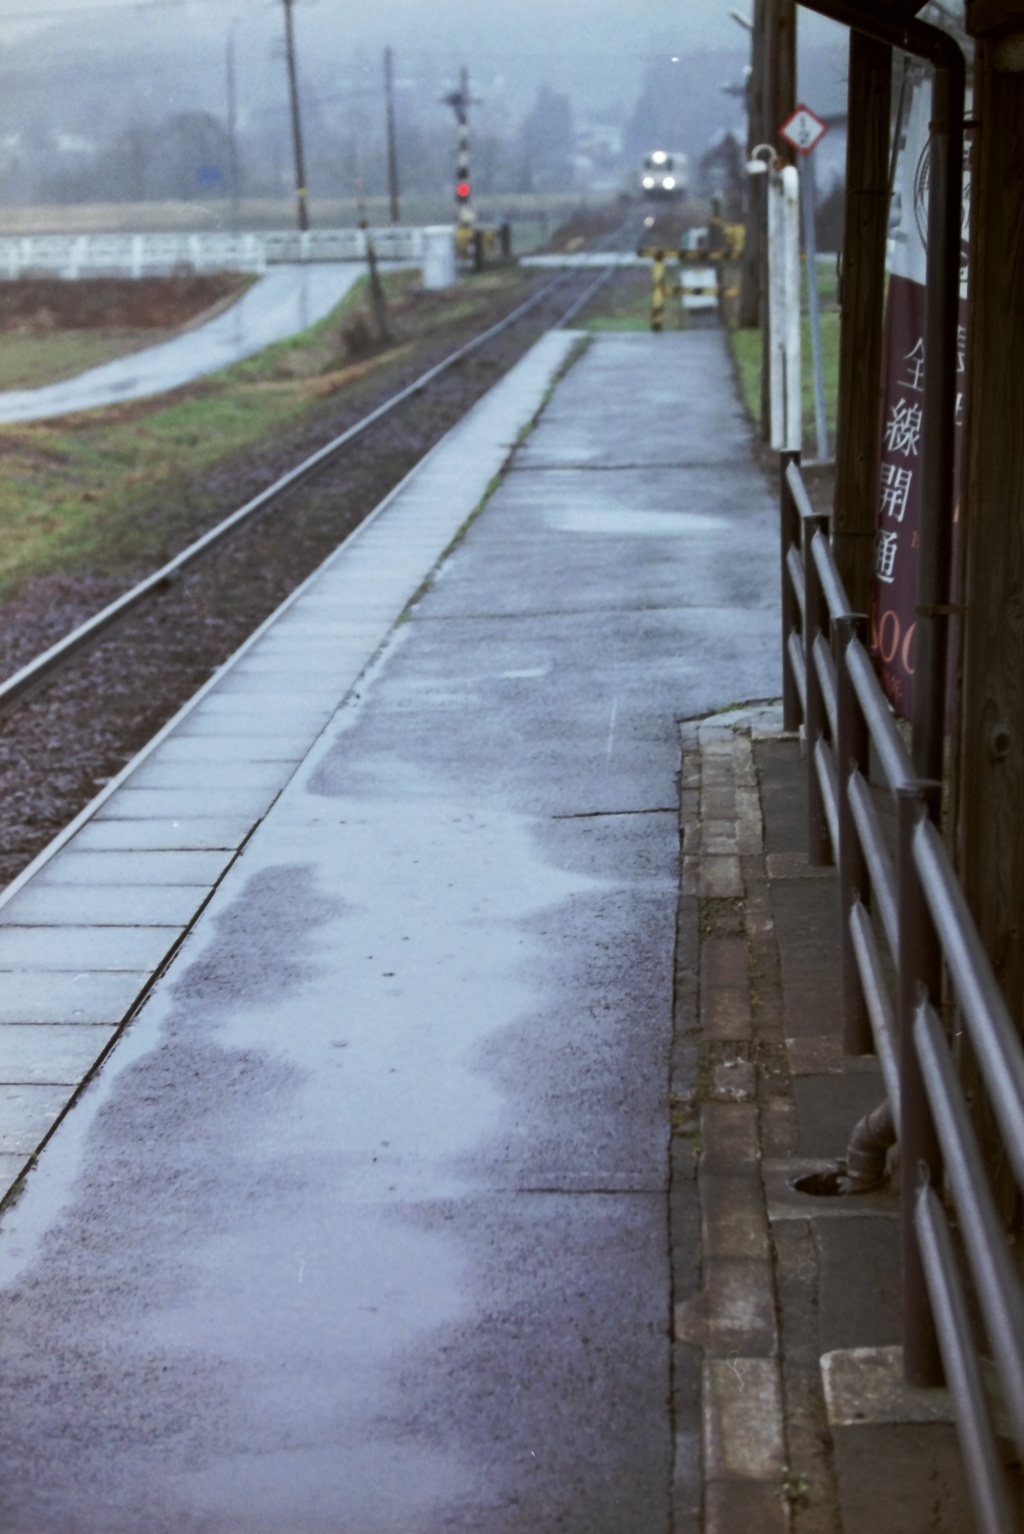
664 175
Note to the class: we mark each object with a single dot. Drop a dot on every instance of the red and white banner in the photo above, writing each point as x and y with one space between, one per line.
897 535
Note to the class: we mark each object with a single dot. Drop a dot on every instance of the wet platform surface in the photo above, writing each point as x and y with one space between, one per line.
287 300
362 1224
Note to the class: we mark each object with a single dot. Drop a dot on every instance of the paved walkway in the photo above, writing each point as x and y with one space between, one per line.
364 1222
285 301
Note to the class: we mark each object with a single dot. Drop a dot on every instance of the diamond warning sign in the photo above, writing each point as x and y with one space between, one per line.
804 129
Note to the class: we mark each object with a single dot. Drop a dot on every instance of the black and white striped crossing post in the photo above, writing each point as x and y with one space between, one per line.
460 101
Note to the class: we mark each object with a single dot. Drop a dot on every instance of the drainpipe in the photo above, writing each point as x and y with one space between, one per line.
866 1153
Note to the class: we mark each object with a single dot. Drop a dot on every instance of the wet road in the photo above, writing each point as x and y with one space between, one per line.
284 302
364 1225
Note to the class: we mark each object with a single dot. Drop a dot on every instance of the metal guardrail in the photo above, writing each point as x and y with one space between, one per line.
921 916
143 255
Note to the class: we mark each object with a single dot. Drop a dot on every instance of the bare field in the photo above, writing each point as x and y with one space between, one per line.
276 213
51 329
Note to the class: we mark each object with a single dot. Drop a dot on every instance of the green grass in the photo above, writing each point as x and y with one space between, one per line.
624 303
746 348
79 491
31 361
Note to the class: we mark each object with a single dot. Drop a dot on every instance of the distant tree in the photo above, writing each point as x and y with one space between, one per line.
547 144
184 157
192 158
723 174
656 120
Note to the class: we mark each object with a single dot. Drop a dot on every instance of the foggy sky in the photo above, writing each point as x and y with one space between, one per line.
594 48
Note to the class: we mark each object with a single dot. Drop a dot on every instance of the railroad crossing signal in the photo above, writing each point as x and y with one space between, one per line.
803 129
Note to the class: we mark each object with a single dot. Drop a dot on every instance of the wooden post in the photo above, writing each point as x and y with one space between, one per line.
991 799
753 239
865 224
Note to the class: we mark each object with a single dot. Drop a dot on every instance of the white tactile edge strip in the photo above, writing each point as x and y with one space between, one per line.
56 1022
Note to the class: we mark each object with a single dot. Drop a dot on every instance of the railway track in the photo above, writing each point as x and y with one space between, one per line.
77 711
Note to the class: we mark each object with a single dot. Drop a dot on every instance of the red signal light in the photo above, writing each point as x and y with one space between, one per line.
462 191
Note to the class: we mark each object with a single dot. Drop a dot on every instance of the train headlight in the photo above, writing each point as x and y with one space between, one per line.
669 182
659 157
648 183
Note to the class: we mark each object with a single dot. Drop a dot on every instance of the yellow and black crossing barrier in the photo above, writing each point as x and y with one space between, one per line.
482 245
713 247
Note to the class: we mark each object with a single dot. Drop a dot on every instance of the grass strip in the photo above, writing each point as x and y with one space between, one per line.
746 349
81 491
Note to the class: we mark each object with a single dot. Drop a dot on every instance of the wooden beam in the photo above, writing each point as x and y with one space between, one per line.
865 225
750 280
991 790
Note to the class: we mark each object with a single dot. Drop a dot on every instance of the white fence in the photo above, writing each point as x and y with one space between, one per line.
155 255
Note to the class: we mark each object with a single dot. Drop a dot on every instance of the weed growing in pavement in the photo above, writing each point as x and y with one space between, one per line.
793 1486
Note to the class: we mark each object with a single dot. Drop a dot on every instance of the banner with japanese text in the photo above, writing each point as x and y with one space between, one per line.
897 539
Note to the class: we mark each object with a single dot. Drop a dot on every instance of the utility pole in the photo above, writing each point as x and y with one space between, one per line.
293 87
232 126
389 99
460 102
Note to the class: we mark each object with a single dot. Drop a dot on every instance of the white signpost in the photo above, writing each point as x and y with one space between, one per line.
784 309
804 129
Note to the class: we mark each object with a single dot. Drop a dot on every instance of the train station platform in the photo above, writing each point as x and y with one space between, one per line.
369 986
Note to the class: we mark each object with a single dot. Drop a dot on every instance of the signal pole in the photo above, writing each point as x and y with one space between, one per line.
389 99
293 87
460 102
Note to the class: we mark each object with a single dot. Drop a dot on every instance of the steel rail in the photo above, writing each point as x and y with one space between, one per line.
828 778
880 1012
36 670
888 743
994 1040
876 856
795 570
828 575
825 667
798 667
986 1479
985 1245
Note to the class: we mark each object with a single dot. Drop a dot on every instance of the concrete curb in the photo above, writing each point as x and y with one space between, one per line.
732 1320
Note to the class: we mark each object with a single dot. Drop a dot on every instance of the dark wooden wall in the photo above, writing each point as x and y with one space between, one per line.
865 225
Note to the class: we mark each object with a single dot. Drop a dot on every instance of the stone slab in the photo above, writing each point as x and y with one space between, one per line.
134 867
236 776
195 803
27 1113
53 1054
162 834
98 997
103 906
46 950
743 1433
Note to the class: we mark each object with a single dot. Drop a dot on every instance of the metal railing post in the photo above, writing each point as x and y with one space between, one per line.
920 974
852 751
789 536
816 621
